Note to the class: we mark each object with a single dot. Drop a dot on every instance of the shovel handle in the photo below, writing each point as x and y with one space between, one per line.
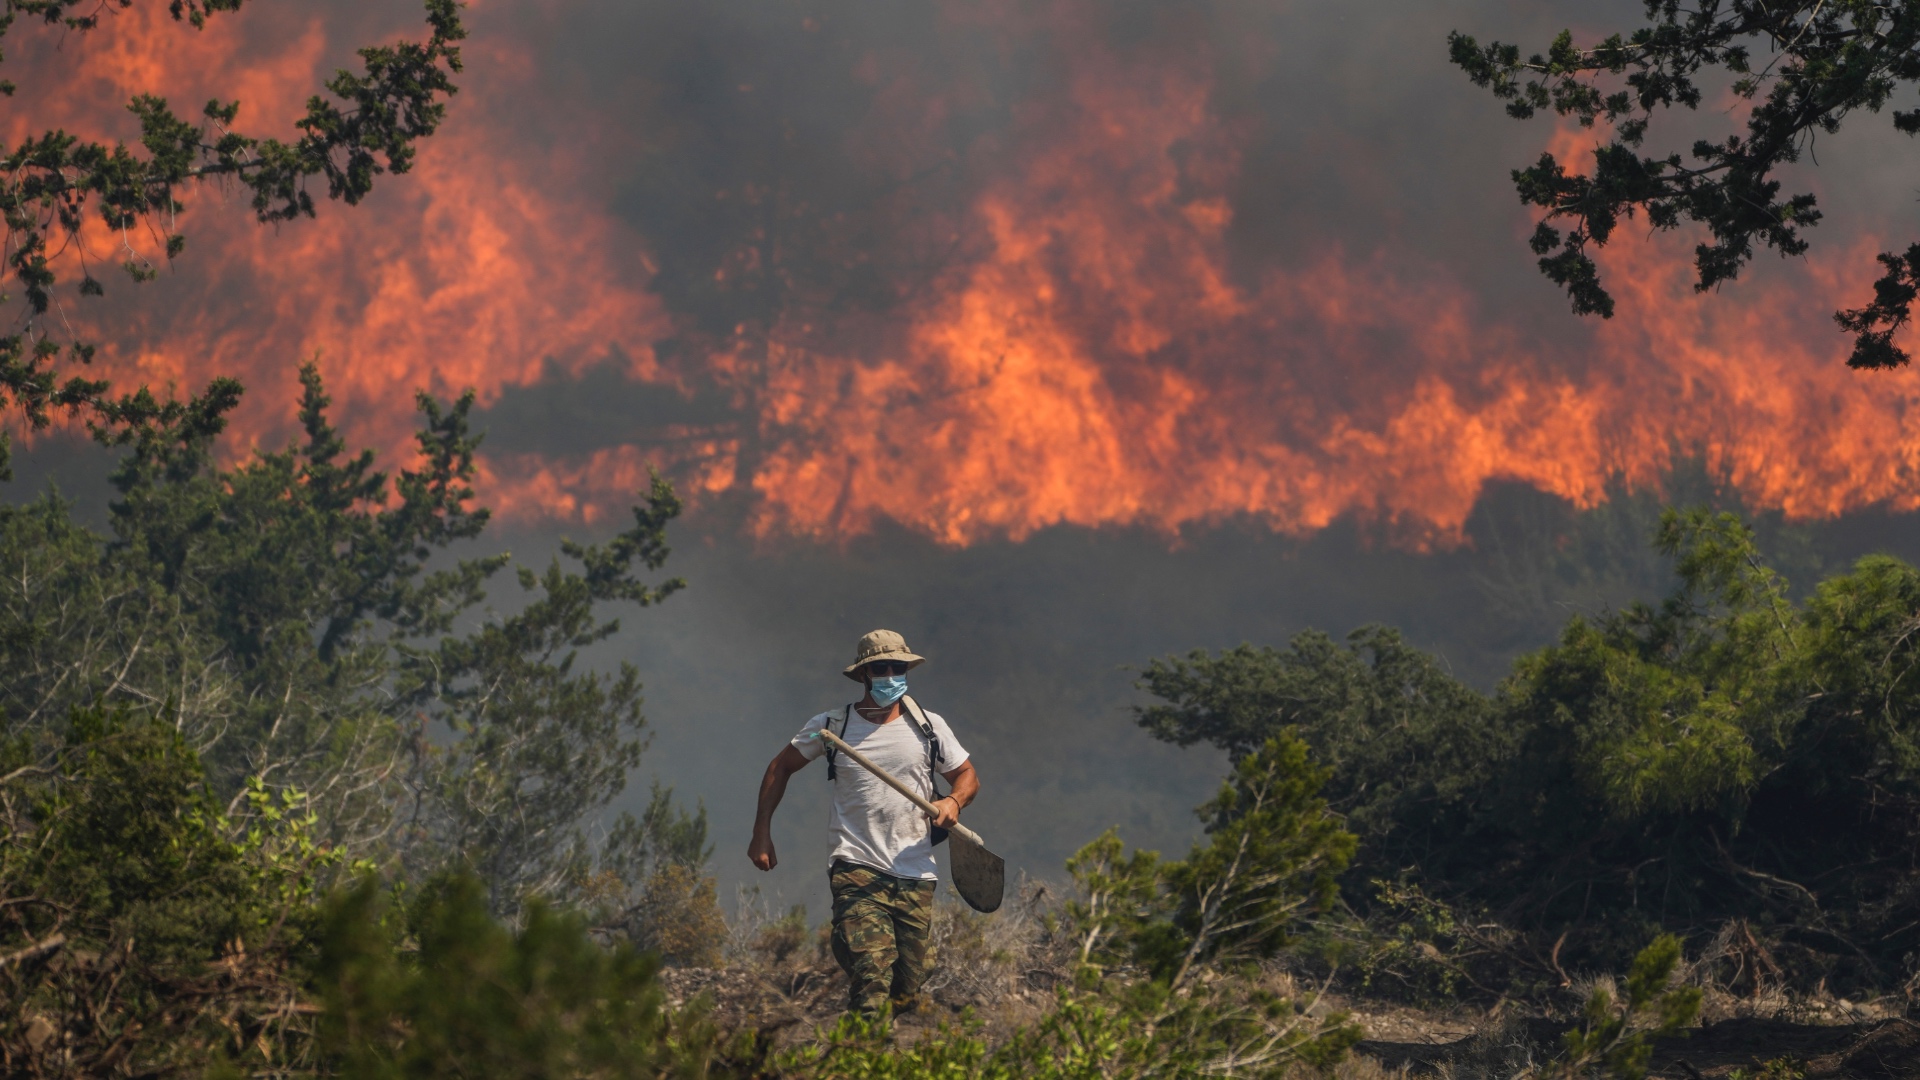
888 779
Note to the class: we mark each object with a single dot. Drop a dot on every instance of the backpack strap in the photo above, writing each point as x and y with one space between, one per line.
934 757
920 723
919 718
845 718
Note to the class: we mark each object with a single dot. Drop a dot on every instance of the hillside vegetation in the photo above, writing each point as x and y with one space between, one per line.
1725 757
283 797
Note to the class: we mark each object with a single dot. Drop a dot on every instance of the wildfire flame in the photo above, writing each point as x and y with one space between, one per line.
471 271
1096 360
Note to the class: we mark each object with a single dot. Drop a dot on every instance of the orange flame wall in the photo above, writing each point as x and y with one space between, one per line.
471 271
1095 355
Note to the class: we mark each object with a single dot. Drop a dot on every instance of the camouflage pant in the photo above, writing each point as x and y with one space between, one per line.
881 927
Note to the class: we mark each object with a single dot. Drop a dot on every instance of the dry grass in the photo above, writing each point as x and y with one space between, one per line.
1741 978
1355 1067
1003 970
984 959
779 969
1497 1051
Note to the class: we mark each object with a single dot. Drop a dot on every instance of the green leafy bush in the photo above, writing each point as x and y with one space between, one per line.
1407 745
304 618
1422 950
1091 1037
1118 897
1727 754
1615 1038
444 989
1272 854
143 931
1151 936
145 934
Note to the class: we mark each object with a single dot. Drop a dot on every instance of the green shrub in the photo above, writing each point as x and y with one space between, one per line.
1615 1038
1727 754
444 989
149 933
1151 938
1092 1037
1272 855
1420 949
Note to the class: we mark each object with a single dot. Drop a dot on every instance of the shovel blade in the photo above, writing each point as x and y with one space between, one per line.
979 876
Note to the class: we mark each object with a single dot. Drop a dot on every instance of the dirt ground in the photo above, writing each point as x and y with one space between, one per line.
1820 1036
1881 1050
1823 1039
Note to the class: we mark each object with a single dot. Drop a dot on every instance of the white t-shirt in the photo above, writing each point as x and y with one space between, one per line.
874 825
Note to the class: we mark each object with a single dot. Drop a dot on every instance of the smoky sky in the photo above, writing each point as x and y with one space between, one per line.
775 166
1359 136
811 172
747 123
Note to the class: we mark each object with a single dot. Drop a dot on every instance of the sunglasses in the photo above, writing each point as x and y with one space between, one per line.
887 667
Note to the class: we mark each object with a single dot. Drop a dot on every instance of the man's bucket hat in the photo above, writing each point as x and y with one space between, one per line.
880 645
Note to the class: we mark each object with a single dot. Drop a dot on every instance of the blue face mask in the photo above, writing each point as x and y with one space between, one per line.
888 689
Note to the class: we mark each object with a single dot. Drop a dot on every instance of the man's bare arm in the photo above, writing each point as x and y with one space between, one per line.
773 788
966 784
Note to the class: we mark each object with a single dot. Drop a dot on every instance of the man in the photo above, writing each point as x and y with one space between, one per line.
881 869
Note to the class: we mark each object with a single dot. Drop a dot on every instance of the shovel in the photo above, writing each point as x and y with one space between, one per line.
979 876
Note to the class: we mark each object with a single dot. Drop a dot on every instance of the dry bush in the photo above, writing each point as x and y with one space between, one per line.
757 938
678 916
783 940
1414 949
988 959
1748 972
1501 1051
1354 1067
1582 987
